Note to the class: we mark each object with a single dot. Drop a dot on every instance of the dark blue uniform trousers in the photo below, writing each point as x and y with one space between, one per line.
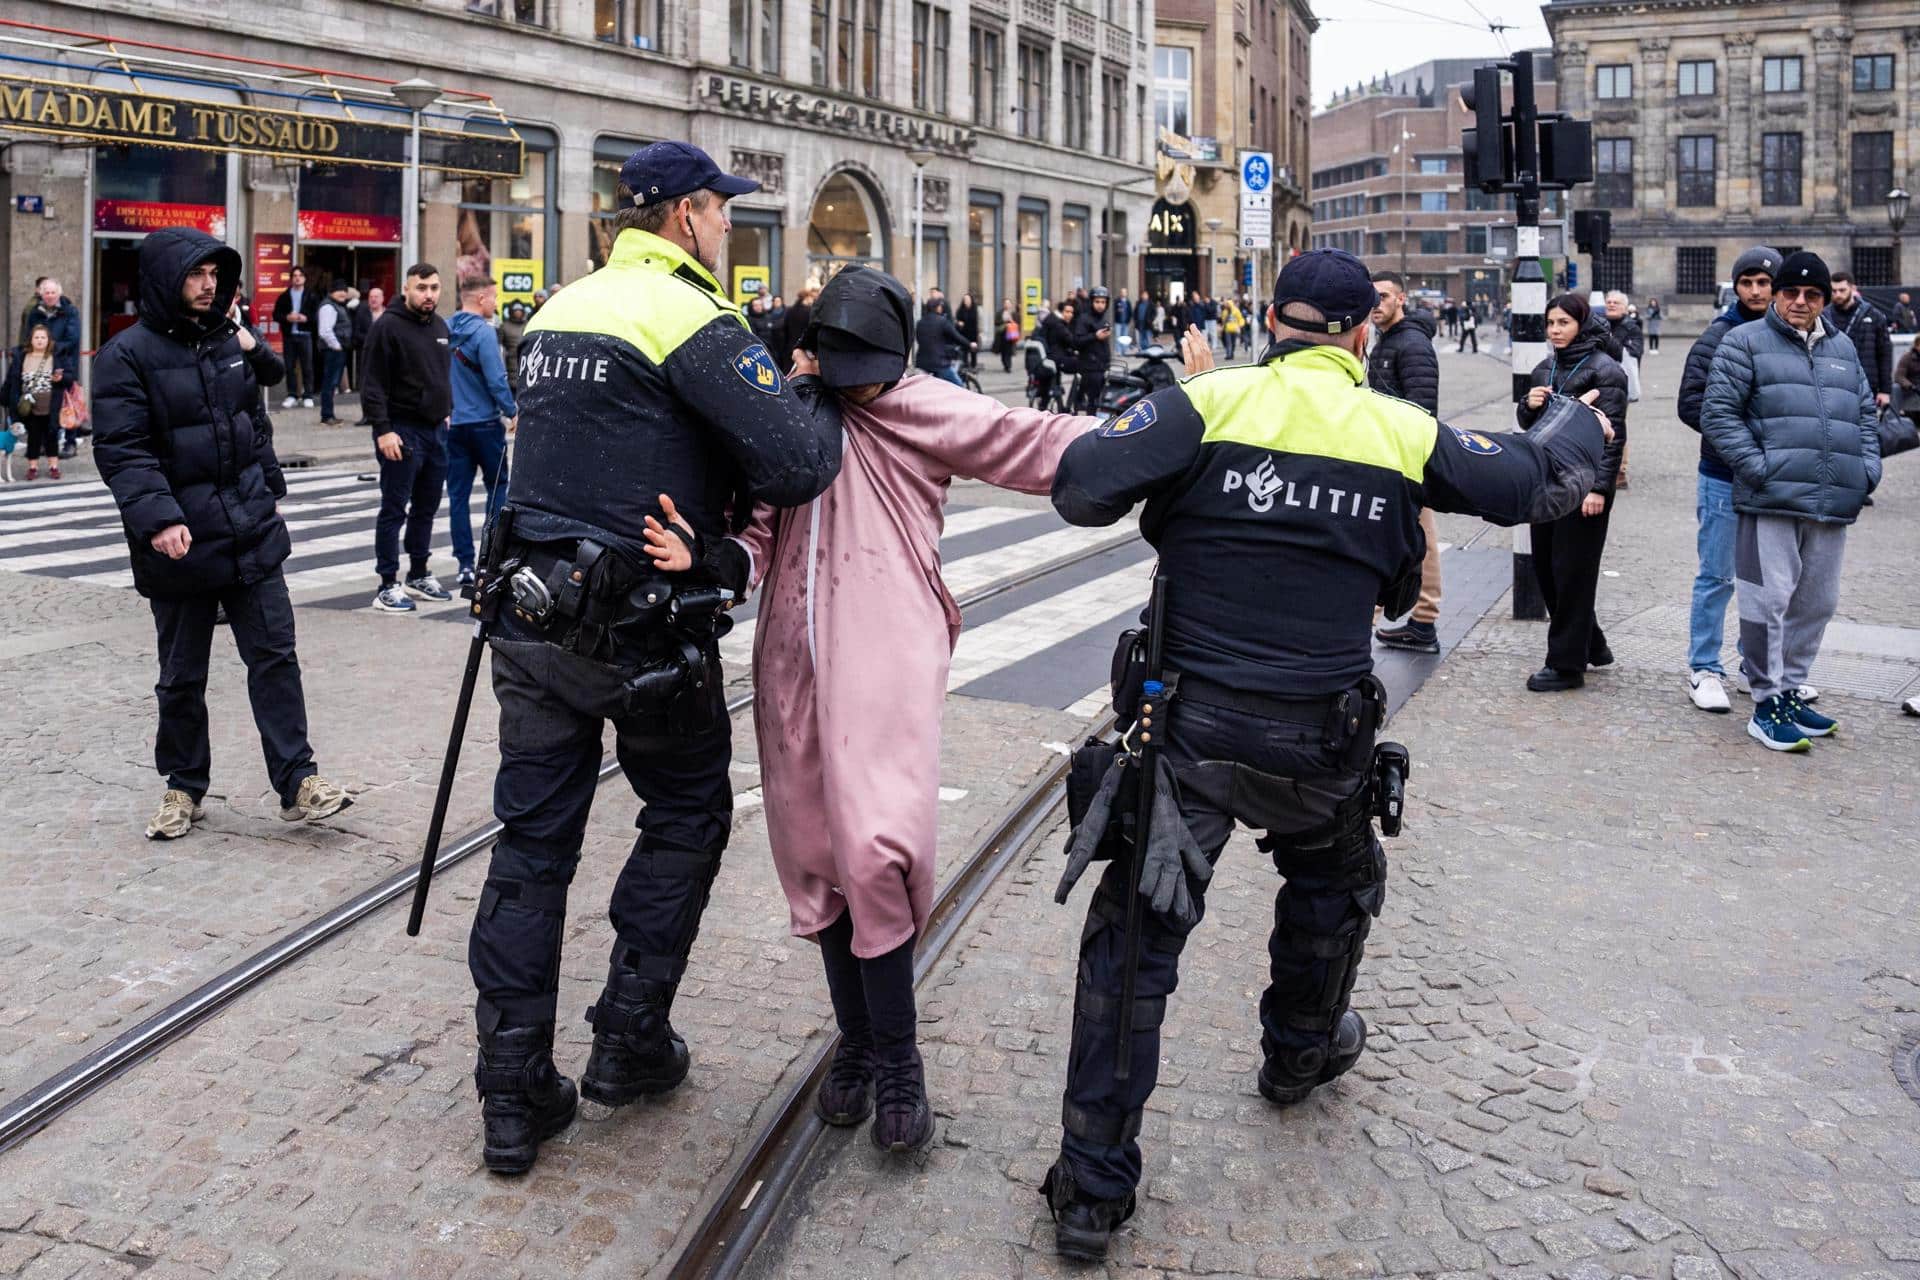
553 709
1335 885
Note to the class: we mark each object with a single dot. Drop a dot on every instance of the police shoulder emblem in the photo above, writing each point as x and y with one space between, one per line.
1132 422
1474 442
756 368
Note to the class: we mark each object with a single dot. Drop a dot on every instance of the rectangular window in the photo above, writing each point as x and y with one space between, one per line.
1780 168
1780 75
1035 88
1379 204
1377 244
1696 80
1873 266
870 49
1433 164
1695 172
1613 81
1077 101
1873 73
1477 239
1433 201
820 50
1172 88
921 77
770 35
607 21
1113 105
1695 270
1613 173
942 59
844 45
1872 169
1613 269
754 24
740 33
1433 242
983 76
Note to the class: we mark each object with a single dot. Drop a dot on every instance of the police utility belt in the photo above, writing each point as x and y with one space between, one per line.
586 598
1369 780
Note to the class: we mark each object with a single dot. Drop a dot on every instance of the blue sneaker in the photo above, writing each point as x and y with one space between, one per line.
1811 722
1773 726
428 587
392 600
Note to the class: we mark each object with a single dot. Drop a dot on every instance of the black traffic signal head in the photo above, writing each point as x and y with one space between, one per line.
1486 150
1592 230
1566 152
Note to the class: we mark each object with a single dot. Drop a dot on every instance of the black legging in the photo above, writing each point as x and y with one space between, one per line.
1653 342
1566 561
42 436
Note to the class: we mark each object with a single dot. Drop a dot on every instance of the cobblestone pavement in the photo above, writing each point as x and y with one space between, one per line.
1633 998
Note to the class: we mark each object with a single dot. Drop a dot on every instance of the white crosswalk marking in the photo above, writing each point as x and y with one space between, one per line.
1025 632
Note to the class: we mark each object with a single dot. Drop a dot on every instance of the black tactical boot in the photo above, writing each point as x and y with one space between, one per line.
902 1117
1283 1087
635 1050
1082 1225
523 1099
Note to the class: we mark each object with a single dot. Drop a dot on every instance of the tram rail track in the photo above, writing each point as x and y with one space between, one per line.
33 1108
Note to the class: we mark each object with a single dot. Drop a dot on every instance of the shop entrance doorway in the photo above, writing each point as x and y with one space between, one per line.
116 287
363 267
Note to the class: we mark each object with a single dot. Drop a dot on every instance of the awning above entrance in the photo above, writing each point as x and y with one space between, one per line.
48 86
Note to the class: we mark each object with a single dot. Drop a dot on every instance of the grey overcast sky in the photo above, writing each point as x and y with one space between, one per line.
1360 39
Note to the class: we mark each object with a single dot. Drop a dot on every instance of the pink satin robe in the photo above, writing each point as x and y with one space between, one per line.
853 645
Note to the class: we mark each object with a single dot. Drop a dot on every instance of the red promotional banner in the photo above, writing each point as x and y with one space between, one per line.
373 228
272 264
143 216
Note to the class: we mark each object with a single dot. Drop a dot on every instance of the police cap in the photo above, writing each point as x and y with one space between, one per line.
668 170
1332 281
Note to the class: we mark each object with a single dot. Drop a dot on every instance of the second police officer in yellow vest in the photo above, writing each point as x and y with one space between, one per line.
1284 500
640 379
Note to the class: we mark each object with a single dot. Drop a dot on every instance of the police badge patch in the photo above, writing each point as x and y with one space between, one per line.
756 368
1132 422
1474 442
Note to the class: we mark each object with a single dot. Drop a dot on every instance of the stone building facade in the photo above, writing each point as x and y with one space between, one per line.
1030 117
1721 123
1232 76
1387 182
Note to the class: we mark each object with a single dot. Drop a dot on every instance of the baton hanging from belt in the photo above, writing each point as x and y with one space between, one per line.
1146 759
491 582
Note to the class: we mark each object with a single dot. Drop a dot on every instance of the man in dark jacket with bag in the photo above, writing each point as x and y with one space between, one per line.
1789 409
1403 364
1868 329
181 442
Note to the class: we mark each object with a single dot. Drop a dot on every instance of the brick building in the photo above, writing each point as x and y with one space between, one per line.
1387 182
1025 112
1719 123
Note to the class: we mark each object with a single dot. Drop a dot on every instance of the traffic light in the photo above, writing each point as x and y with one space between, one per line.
1485 153
1573 275
1592 230
1566 152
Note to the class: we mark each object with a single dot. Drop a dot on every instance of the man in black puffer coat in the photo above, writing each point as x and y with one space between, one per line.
181 442
1403 364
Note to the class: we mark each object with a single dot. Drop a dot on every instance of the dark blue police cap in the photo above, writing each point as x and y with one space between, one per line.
1331 280
668 170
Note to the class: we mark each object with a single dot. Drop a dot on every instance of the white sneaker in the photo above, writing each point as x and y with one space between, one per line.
1809 694
307 403
288 403
1912 705
1708 693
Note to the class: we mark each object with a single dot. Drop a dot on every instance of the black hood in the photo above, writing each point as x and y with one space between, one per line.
862 328
166 257
1420 318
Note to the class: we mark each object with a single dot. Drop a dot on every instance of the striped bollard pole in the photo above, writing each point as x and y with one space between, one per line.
1529 299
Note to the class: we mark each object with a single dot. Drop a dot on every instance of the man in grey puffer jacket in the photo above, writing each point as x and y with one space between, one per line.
1789 410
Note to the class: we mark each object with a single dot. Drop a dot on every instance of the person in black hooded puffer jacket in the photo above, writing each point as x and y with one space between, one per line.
181 441
1566 553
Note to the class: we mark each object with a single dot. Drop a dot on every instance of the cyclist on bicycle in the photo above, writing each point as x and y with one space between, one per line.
938 343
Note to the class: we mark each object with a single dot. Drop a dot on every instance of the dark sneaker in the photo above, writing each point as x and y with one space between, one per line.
392 600
524 1100
1420 637
902 1117
1774 728
636 1052
1349 1042
465 580
1082 1224
1601 656
1811 722
428 587
846 1095
1547 680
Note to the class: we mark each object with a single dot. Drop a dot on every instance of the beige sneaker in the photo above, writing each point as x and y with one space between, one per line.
316 799
175 817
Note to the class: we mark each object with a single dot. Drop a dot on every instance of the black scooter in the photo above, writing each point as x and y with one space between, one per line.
1126 387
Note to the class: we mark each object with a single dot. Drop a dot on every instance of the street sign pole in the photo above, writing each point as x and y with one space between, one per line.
1529 301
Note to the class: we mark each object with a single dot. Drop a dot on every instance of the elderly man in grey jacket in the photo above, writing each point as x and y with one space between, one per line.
1788 408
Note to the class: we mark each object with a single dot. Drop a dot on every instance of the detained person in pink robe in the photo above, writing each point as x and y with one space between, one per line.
855 634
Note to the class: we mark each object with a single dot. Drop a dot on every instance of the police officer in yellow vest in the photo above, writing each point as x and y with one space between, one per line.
639 380
1284 500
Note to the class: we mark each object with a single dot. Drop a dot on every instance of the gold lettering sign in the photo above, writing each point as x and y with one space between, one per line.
115 115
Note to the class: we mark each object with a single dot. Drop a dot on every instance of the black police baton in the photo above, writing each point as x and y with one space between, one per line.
1146 760
486 597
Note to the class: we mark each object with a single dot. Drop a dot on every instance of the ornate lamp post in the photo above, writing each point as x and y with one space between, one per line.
415 95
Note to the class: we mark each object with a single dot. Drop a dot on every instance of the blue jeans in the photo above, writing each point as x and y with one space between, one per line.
471 445
950 373
1713 585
